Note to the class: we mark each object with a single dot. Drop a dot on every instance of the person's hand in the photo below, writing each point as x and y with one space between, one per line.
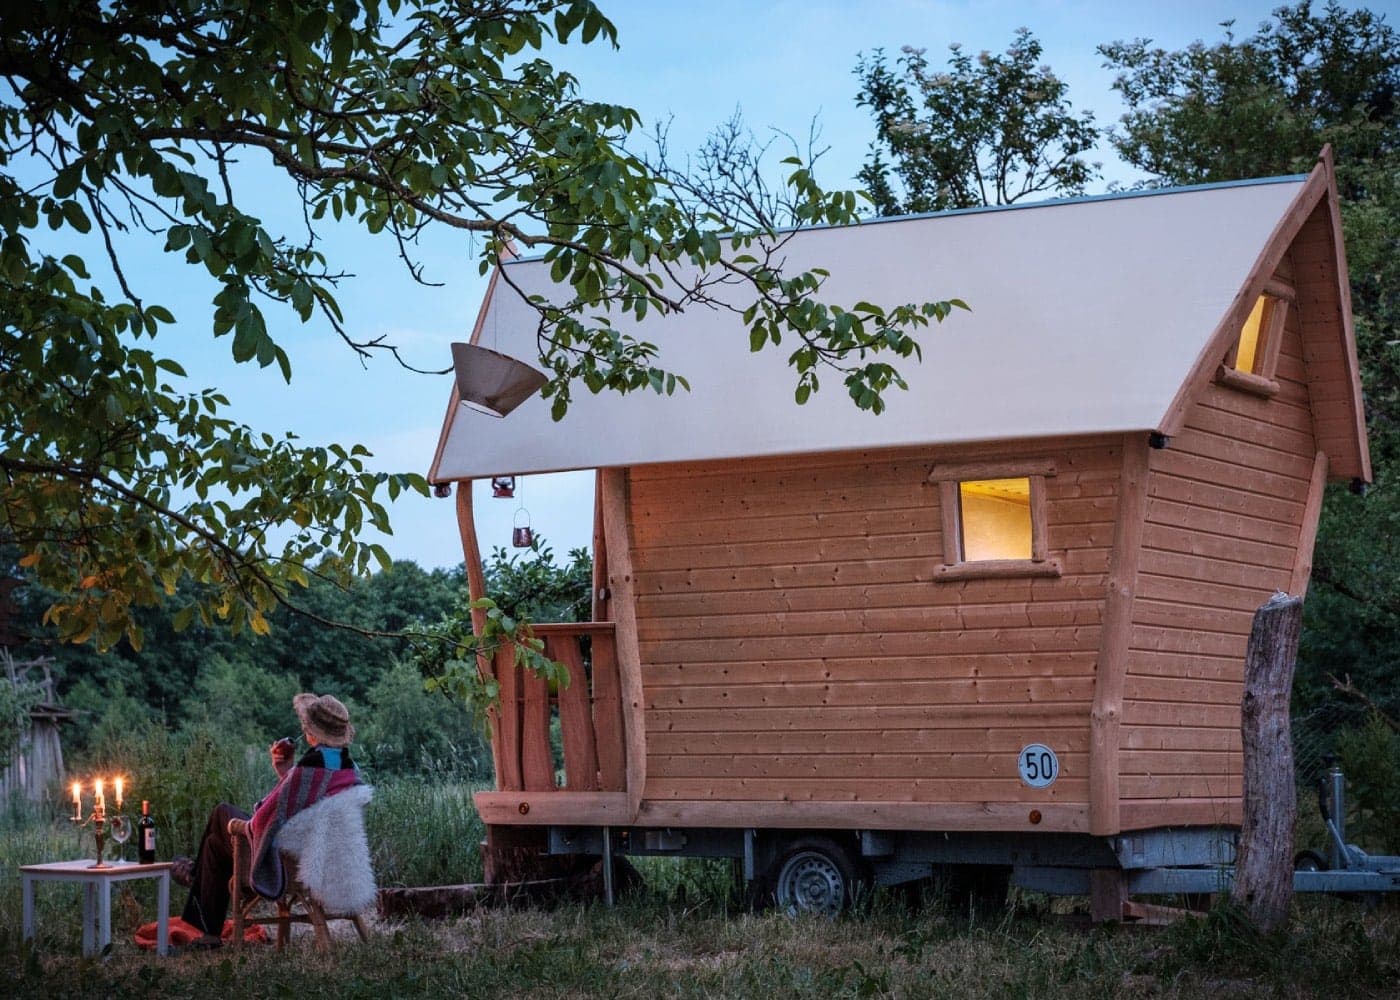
281 753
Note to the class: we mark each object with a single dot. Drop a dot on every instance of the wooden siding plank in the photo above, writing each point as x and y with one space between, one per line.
919 767
867 621
976 740
1224 548
1182 786
1065 788
859 693
1075 563
992 640
1179 738
1182 566
1194 690
657 674
1232 525
1223 498
867 718
1163 713
1144 815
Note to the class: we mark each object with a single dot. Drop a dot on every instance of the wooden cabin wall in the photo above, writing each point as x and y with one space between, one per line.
1225 508
796 647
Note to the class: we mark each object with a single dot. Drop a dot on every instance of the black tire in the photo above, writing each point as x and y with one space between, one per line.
813 875
1309 861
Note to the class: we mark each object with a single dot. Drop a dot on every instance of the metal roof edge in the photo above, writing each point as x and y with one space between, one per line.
1049 203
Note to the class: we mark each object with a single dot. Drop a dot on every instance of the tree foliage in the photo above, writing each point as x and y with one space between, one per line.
1266 105
991 130
129 127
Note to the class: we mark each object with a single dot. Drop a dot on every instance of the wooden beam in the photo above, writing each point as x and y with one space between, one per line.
1343 279
1307 532
549 808
476 589
810 814
602 605
949 509
1008 469
622 584
1106 715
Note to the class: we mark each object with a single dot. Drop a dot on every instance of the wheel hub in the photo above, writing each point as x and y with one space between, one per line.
811 883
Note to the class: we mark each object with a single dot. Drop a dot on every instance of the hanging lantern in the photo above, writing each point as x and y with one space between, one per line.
491 382
521 536
502 487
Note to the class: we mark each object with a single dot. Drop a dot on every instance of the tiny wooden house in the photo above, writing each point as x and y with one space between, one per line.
813 618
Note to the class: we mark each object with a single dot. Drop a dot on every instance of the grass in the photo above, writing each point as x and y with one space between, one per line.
685 936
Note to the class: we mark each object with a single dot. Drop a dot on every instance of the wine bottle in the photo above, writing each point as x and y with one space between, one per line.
146 836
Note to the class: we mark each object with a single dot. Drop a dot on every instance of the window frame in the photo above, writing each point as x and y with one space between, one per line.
1280 297
949 476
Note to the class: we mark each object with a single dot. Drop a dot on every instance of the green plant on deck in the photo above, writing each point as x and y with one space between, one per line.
456 674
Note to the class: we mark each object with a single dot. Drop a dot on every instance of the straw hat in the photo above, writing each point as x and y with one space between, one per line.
325 718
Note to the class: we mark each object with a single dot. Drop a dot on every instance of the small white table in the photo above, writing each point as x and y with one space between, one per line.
97 897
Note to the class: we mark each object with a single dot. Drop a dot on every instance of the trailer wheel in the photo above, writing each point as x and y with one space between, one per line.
814 875
1309 861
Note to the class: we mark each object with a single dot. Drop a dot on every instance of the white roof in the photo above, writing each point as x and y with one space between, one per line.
1087 317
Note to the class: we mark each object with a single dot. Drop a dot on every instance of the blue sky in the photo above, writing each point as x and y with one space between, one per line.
782 62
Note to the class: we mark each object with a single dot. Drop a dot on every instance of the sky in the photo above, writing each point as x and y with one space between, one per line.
783 63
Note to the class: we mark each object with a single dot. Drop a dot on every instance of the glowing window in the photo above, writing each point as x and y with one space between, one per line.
1250 351
1253 357
995 517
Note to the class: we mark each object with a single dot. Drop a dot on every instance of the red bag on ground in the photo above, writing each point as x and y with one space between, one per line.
182 932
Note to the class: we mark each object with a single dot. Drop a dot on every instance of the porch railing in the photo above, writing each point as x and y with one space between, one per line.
589 709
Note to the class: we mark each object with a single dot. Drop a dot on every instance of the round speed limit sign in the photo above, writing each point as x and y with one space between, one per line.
1038 765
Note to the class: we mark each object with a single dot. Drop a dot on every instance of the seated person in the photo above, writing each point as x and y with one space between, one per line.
325 770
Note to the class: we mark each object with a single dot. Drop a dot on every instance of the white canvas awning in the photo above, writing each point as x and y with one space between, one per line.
1087 317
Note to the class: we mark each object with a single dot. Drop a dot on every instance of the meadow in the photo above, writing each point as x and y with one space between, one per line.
685 933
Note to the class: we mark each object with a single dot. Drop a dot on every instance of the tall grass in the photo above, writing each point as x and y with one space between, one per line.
424 832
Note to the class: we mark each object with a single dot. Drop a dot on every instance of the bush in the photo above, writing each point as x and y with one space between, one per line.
1370 757
245 703
409 730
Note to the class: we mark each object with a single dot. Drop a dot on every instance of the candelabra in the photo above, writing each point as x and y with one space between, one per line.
99 821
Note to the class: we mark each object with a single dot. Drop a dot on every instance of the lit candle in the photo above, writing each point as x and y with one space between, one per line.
101 799
119 795
77 801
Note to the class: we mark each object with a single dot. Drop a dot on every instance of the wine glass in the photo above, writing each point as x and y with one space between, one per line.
121 832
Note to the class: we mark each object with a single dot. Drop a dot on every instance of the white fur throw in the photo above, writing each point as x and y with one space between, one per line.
332 851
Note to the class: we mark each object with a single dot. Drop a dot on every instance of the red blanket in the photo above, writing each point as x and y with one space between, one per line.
300 788
183 933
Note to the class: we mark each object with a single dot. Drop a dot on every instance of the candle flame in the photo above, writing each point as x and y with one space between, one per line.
119 793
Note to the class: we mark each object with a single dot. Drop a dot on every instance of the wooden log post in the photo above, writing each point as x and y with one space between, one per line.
1263 883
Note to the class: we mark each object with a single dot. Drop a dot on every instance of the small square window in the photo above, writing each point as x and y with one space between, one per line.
994 519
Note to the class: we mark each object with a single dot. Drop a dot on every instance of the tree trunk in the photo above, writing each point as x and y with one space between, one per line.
1264 863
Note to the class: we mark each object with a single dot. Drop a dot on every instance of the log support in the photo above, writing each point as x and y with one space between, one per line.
1263 883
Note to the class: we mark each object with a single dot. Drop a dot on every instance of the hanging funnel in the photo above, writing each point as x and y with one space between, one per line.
492 382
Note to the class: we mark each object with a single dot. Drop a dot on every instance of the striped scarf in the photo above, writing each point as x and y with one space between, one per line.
300 788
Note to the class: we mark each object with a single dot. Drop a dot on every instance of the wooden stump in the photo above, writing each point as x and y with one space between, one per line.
1264 863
